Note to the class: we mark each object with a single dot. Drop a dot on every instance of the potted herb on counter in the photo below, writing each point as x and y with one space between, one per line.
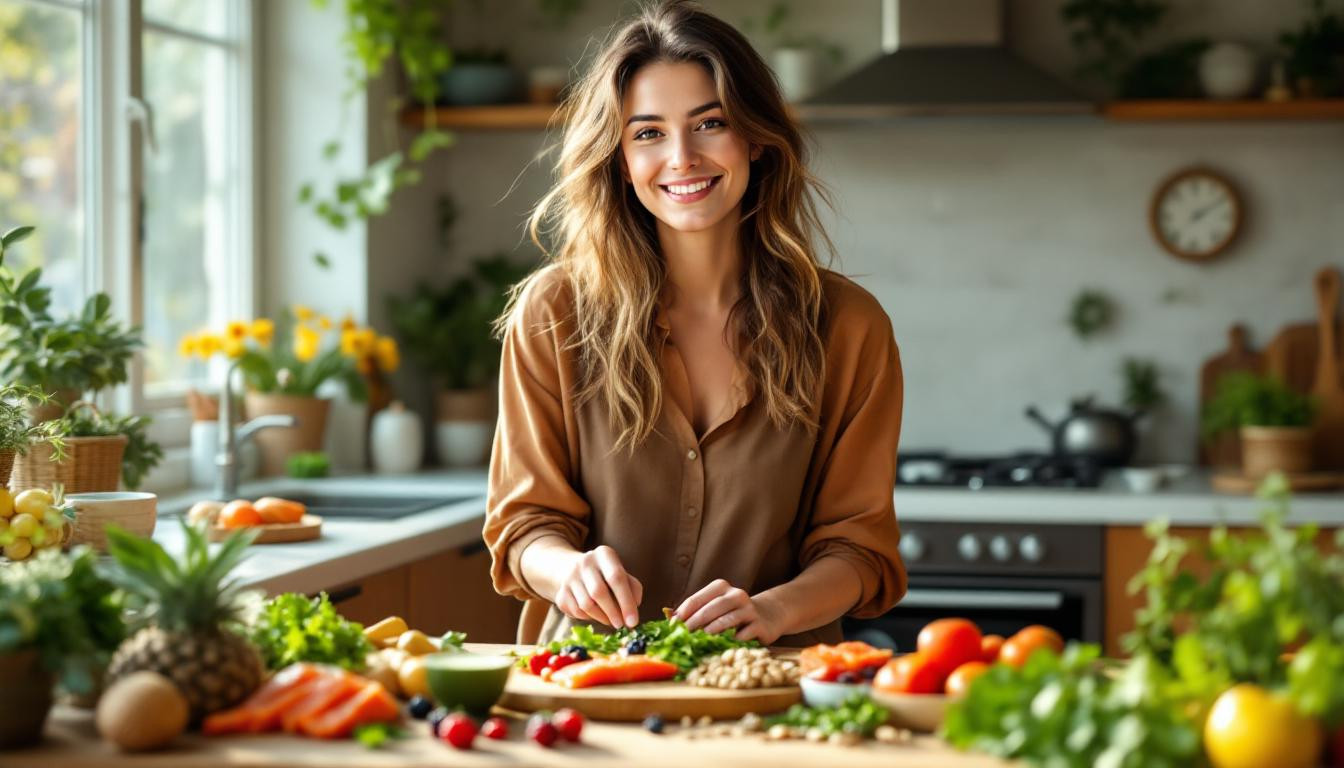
59 622
1274 423
18 433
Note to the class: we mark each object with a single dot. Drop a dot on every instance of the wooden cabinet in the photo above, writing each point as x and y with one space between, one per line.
1127 551
450 590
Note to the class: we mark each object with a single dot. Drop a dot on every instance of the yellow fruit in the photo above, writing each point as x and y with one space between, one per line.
413 677
386 629
18 549
6 503
415 643
33 501
23 524
4 524
1250 727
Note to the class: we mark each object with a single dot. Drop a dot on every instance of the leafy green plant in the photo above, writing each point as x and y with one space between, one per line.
308 464
59 605
448 330
141 455
1143 386
1106 33
1313 49
294 628
1091 313
1244 399
17 432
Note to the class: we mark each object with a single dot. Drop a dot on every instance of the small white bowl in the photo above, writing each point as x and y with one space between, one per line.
822 693
921 712
1143 479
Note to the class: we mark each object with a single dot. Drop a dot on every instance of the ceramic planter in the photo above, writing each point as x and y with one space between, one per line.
396 440
25 698
465 426
276 445
1275 449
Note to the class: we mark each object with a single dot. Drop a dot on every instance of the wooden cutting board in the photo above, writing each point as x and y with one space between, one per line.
310 527
635 701
1328 390
1225 450
1229 482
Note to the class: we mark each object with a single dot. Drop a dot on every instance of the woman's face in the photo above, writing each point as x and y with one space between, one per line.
687 165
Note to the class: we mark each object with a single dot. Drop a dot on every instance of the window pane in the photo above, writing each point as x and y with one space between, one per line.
208 17
190 197
41 173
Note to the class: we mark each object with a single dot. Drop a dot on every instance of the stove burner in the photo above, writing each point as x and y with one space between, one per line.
1014 470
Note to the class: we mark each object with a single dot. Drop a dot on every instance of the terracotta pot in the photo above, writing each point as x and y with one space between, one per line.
465 425
466 404
1275 449
278 444
25 698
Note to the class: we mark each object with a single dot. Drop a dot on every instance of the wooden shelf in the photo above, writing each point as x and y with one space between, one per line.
498 117
1172 109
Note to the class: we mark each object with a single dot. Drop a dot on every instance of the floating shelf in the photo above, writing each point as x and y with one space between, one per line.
1172 109
498 117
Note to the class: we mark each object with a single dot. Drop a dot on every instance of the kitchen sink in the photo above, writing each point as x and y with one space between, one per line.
342 504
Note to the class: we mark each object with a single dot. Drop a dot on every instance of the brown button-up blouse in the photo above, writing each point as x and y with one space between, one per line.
746 501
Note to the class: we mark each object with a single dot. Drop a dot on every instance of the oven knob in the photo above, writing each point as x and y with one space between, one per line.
1001 549
1031 548
912 547
969 547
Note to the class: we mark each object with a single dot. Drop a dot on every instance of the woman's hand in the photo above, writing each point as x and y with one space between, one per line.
598 588
720 605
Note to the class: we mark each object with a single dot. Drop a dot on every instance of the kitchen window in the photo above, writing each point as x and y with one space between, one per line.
126 135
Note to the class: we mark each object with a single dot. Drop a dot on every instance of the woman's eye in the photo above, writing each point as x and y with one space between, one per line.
647 133
714 122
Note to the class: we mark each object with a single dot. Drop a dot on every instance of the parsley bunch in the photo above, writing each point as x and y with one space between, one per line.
293 628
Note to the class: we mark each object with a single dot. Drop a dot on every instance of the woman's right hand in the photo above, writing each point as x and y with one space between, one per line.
598 588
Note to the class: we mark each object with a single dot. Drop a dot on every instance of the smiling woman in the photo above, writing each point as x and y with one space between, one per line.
693 411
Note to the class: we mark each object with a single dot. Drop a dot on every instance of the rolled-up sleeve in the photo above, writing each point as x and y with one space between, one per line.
531 493
853 516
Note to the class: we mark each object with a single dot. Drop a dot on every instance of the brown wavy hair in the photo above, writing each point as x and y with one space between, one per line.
605 241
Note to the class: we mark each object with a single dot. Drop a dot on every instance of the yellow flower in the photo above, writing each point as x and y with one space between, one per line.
208 345
236 331
234 348
306 342
364 365
348 323
348 343
389 357
263 330
302 314
187 346
323 323
365 339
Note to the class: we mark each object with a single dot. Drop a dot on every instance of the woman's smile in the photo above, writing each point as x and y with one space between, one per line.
691 190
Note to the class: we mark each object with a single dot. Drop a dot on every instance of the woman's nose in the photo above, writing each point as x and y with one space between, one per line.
684 154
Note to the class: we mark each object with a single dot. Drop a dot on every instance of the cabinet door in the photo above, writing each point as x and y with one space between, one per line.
372 598
452 590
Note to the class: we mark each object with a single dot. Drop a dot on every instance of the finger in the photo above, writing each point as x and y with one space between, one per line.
697 601
749 631
606 610
619 580
637 589
735 617
568 604
587 608
731 600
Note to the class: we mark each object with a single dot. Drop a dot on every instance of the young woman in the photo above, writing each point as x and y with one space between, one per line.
693 413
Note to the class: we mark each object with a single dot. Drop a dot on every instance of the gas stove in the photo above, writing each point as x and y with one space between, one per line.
1027 470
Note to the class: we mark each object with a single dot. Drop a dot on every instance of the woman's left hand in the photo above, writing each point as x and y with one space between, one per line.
719 606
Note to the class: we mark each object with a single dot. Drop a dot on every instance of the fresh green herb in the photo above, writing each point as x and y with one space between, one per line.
1067 712
141 454
375 735
308 464
664 639
856 714
452 640
1242 399
295 628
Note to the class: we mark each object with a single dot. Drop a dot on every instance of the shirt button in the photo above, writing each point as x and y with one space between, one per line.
683 560
692 512
691 454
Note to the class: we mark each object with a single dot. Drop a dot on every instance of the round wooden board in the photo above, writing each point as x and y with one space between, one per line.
1314 481
633 702
310 527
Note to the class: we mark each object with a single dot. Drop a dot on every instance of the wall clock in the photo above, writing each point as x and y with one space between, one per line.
1196 213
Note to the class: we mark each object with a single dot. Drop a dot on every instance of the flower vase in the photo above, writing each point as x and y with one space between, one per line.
277 444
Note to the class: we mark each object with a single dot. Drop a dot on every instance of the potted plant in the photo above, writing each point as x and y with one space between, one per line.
59 622
1315 53
798 60
284 370
448 332
18 433
1274 422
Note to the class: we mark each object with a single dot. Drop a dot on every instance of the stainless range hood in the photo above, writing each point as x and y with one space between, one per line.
944 57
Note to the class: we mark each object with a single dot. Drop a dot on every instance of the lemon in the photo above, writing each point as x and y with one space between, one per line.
23 524
33 501
18 549
6 504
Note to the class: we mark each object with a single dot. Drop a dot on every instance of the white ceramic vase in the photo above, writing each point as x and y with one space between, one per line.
798 70
396 440
1227 71
464 443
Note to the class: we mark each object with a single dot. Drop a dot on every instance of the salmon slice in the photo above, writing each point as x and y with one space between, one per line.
257 711
614 670
371 704
325 692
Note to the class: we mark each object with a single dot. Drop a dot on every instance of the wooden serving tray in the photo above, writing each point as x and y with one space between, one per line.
310 527
632 702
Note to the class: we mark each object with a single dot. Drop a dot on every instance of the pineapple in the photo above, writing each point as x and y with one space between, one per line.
192 611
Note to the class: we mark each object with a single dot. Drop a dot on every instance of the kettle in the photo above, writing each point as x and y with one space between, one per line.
1103 435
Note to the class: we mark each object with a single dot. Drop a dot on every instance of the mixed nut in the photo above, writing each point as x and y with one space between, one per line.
739 668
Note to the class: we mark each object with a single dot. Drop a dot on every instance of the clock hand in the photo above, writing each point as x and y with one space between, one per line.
1211 206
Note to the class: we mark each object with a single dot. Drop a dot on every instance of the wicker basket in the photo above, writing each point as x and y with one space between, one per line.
92 464
6 466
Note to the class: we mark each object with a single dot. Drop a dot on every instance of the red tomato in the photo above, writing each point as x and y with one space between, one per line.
1018 648
949 643
990 645
568 723
911 673
960 680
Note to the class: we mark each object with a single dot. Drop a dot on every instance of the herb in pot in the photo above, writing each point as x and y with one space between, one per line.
1243 399
308 464
141 454
294 628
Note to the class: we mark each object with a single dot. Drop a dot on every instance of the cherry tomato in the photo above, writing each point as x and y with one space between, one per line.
539 661
568 723
990 645
949 643
1020 647
458 729
961 678
541 730
496 728
911 673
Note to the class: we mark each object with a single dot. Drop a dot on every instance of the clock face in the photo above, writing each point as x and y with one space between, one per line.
1196 214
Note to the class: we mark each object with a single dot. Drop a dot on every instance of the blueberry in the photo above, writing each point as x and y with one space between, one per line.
435 718
419 707
847 677
653 724
578 651
635 647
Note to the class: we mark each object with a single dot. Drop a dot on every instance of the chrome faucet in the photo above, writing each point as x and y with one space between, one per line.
226 459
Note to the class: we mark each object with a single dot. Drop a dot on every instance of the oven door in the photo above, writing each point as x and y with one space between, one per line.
999 606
